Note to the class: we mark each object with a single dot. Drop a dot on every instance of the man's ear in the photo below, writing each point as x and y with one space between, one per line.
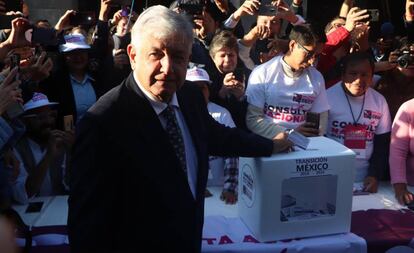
291 45
132 53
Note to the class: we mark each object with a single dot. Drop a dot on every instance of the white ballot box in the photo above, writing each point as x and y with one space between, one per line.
298 194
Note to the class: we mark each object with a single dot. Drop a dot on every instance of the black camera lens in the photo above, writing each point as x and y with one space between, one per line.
405 60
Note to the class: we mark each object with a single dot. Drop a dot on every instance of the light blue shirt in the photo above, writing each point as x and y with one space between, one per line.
84 95
190 153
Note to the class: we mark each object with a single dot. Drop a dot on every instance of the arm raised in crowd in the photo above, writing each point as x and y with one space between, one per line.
409 19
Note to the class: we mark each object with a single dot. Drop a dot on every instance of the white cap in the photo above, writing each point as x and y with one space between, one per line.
196 74
74 42
38 100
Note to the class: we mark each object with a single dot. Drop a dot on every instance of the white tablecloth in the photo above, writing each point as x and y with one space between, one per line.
225 232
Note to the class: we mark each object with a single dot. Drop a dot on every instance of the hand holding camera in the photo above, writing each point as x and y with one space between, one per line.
355 16
234 83
249 7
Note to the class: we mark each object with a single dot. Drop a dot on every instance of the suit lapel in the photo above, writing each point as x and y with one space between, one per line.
147 126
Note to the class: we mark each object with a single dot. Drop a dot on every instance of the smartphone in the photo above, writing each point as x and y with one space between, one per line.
266 8
83 18
34 207
14 5
68 123
261 46
122 2
239 74
314 118
125 11
45 36
5 21
373 15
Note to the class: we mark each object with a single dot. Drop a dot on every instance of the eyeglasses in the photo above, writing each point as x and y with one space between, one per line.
309 53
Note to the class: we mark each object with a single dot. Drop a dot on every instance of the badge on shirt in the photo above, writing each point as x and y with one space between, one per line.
355 138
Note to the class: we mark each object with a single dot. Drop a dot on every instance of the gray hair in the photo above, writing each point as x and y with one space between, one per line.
161 23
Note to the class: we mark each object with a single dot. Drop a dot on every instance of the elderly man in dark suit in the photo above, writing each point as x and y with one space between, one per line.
140 163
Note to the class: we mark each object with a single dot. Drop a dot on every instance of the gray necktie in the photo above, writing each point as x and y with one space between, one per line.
175 135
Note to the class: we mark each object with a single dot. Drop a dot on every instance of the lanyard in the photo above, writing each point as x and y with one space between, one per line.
350 108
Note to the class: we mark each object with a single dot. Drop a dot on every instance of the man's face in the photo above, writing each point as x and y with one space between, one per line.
225 60
357 78
160 65
40 121
271 22
301 54
77 59
122 27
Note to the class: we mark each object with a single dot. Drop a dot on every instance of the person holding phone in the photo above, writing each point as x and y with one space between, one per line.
360 119
42 152
229 76
281 91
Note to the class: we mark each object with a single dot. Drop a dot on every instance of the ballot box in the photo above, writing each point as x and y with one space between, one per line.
298 194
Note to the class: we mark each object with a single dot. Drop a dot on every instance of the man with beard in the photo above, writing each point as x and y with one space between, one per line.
41 152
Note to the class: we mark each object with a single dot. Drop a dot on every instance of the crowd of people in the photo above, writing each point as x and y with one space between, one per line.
153 108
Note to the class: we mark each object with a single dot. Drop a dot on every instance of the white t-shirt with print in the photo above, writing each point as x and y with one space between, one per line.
217 163
285 100
375 116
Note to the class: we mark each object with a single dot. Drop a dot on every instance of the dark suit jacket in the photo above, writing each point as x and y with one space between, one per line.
127 188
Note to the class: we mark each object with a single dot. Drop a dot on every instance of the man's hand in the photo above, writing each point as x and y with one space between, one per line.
38 69
355 15
235 86
9 91
228 197
223 5
59 142
409 10
104 10
281 143
249 7
402 194
371 184
116 17
308 129
64 21
261 32
284 12
17 36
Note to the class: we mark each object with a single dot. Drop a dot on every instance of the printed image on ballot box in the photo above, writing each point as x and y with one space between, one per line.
298 204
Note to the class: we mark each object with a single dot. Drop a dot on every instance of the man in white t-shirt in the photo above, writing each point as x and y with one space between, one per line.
359 118
281 91
223 171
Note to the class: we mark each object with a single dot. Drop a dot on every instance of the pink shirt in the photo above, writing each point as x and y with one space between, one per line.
402 145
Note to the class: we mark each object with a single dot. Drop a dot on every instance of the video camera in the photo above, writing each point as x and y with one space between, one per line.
406 59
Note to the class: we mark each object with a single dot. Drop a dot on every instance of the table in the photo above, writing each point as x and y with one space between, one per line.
225 232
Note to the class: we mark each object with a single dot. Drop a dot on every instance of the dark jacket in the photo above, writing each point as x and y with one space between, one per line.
128 191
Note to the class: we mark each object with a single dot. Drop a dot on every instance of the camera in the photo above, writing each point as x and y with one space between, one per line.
267 8
406 59
373 15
